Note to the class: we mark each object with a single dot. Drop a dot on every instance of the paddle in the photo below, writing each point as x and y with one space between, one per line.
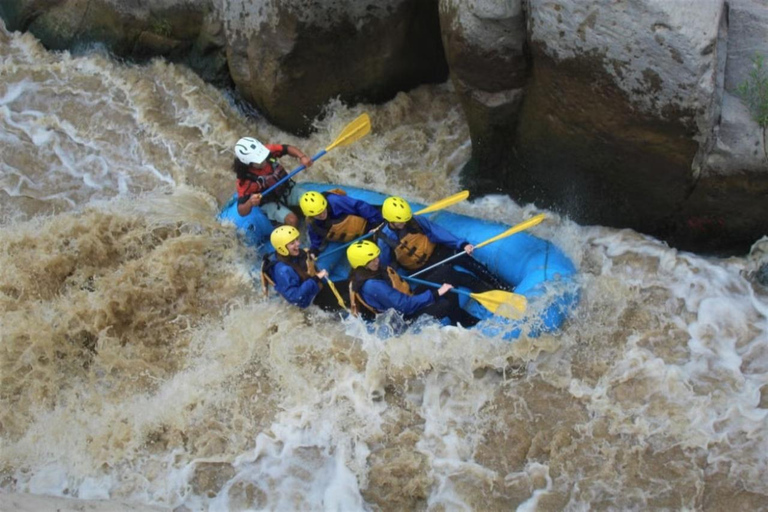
355 130
507 304
336 293
443 203
511 231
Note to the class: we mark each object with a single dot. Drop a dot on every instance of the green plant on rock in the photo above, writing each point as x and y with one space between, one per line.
160 26
754 92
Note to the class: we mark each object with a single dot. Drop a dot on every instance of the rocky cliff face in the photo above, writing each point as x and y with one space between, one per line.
289 57
628 115
484 42
614 112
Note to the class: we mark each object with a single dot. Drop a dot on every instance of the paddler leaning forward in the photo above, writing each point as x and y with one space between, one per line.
374 289
333 216
414 243
291 270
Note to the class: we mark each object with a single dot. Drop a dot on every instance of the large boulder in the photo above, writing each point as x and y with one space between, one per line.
484 43
728 207
617 97
290 57
625 119
181 30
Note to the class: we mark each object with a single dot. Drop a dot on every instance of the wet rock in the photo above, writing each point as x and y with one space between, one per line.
761 276
290 58
484 43
603 131
180 30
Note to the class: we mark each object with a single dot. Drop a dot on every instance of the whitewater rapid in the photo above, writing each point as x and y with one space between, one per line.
141 361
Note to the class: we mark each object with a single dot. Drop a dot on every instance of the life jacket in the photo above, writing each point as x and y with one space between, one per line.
414 247
359 277
259 180
342 229
302 264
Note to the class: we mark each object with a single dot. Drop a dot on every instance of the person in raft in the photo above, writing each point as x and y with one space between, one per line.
257 168
333 216
378 288
293 274
415 243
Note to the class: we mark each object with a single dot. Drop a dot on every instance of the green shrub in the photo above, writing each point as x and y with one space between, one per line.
754 92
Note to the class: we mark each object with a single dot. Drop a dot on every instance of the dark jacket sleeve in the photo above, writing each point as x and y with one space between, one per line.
439 234
345 205
387 256
289 285
381 296
315 239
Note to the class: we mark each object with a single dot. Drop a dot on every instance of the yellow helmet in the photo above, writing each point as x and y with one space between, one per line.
312 203
281 237
361 253
396 209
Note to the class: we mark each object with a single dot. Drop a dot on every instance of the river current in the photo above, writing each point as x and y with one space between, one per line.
141 361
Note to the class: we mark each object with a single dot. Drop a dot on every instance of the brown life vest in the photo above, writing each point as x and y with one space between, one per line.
342 229
302 264
414 247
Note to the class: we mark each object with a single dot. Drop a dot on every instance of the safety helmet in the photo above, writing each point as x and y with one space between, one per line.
250 151
281 237
361 253
312 203
396 209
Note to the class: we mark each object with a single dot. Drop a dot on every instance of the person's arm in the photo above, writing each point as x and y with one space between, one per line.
315 239
381 296
440 235
297 153
351 206
290 286
386 255
245 207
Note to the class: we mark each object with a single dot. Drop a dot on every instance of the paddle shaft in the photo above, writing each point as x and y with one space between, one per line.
360 127
337 249
336 293
435 285
491 303
294 172
446 260
511 231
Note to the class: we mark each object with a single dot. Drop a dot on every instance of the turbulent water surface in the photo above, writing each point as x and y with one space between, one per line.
140 360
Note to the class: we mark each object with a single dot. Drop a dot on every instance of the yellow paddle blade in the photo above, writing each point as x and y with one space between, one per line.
507 304
336 293
445 203
514 229
355 130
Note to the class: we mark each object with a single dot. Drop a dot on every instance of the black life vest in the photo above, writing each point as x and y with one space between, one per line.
361 275
259 180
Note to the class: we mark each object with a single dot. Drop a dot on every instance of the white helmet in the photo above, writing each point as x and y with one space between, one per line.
250 151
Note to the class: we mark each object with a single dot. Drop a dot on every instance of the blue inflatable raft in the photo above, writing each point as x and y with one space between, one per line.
534 267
